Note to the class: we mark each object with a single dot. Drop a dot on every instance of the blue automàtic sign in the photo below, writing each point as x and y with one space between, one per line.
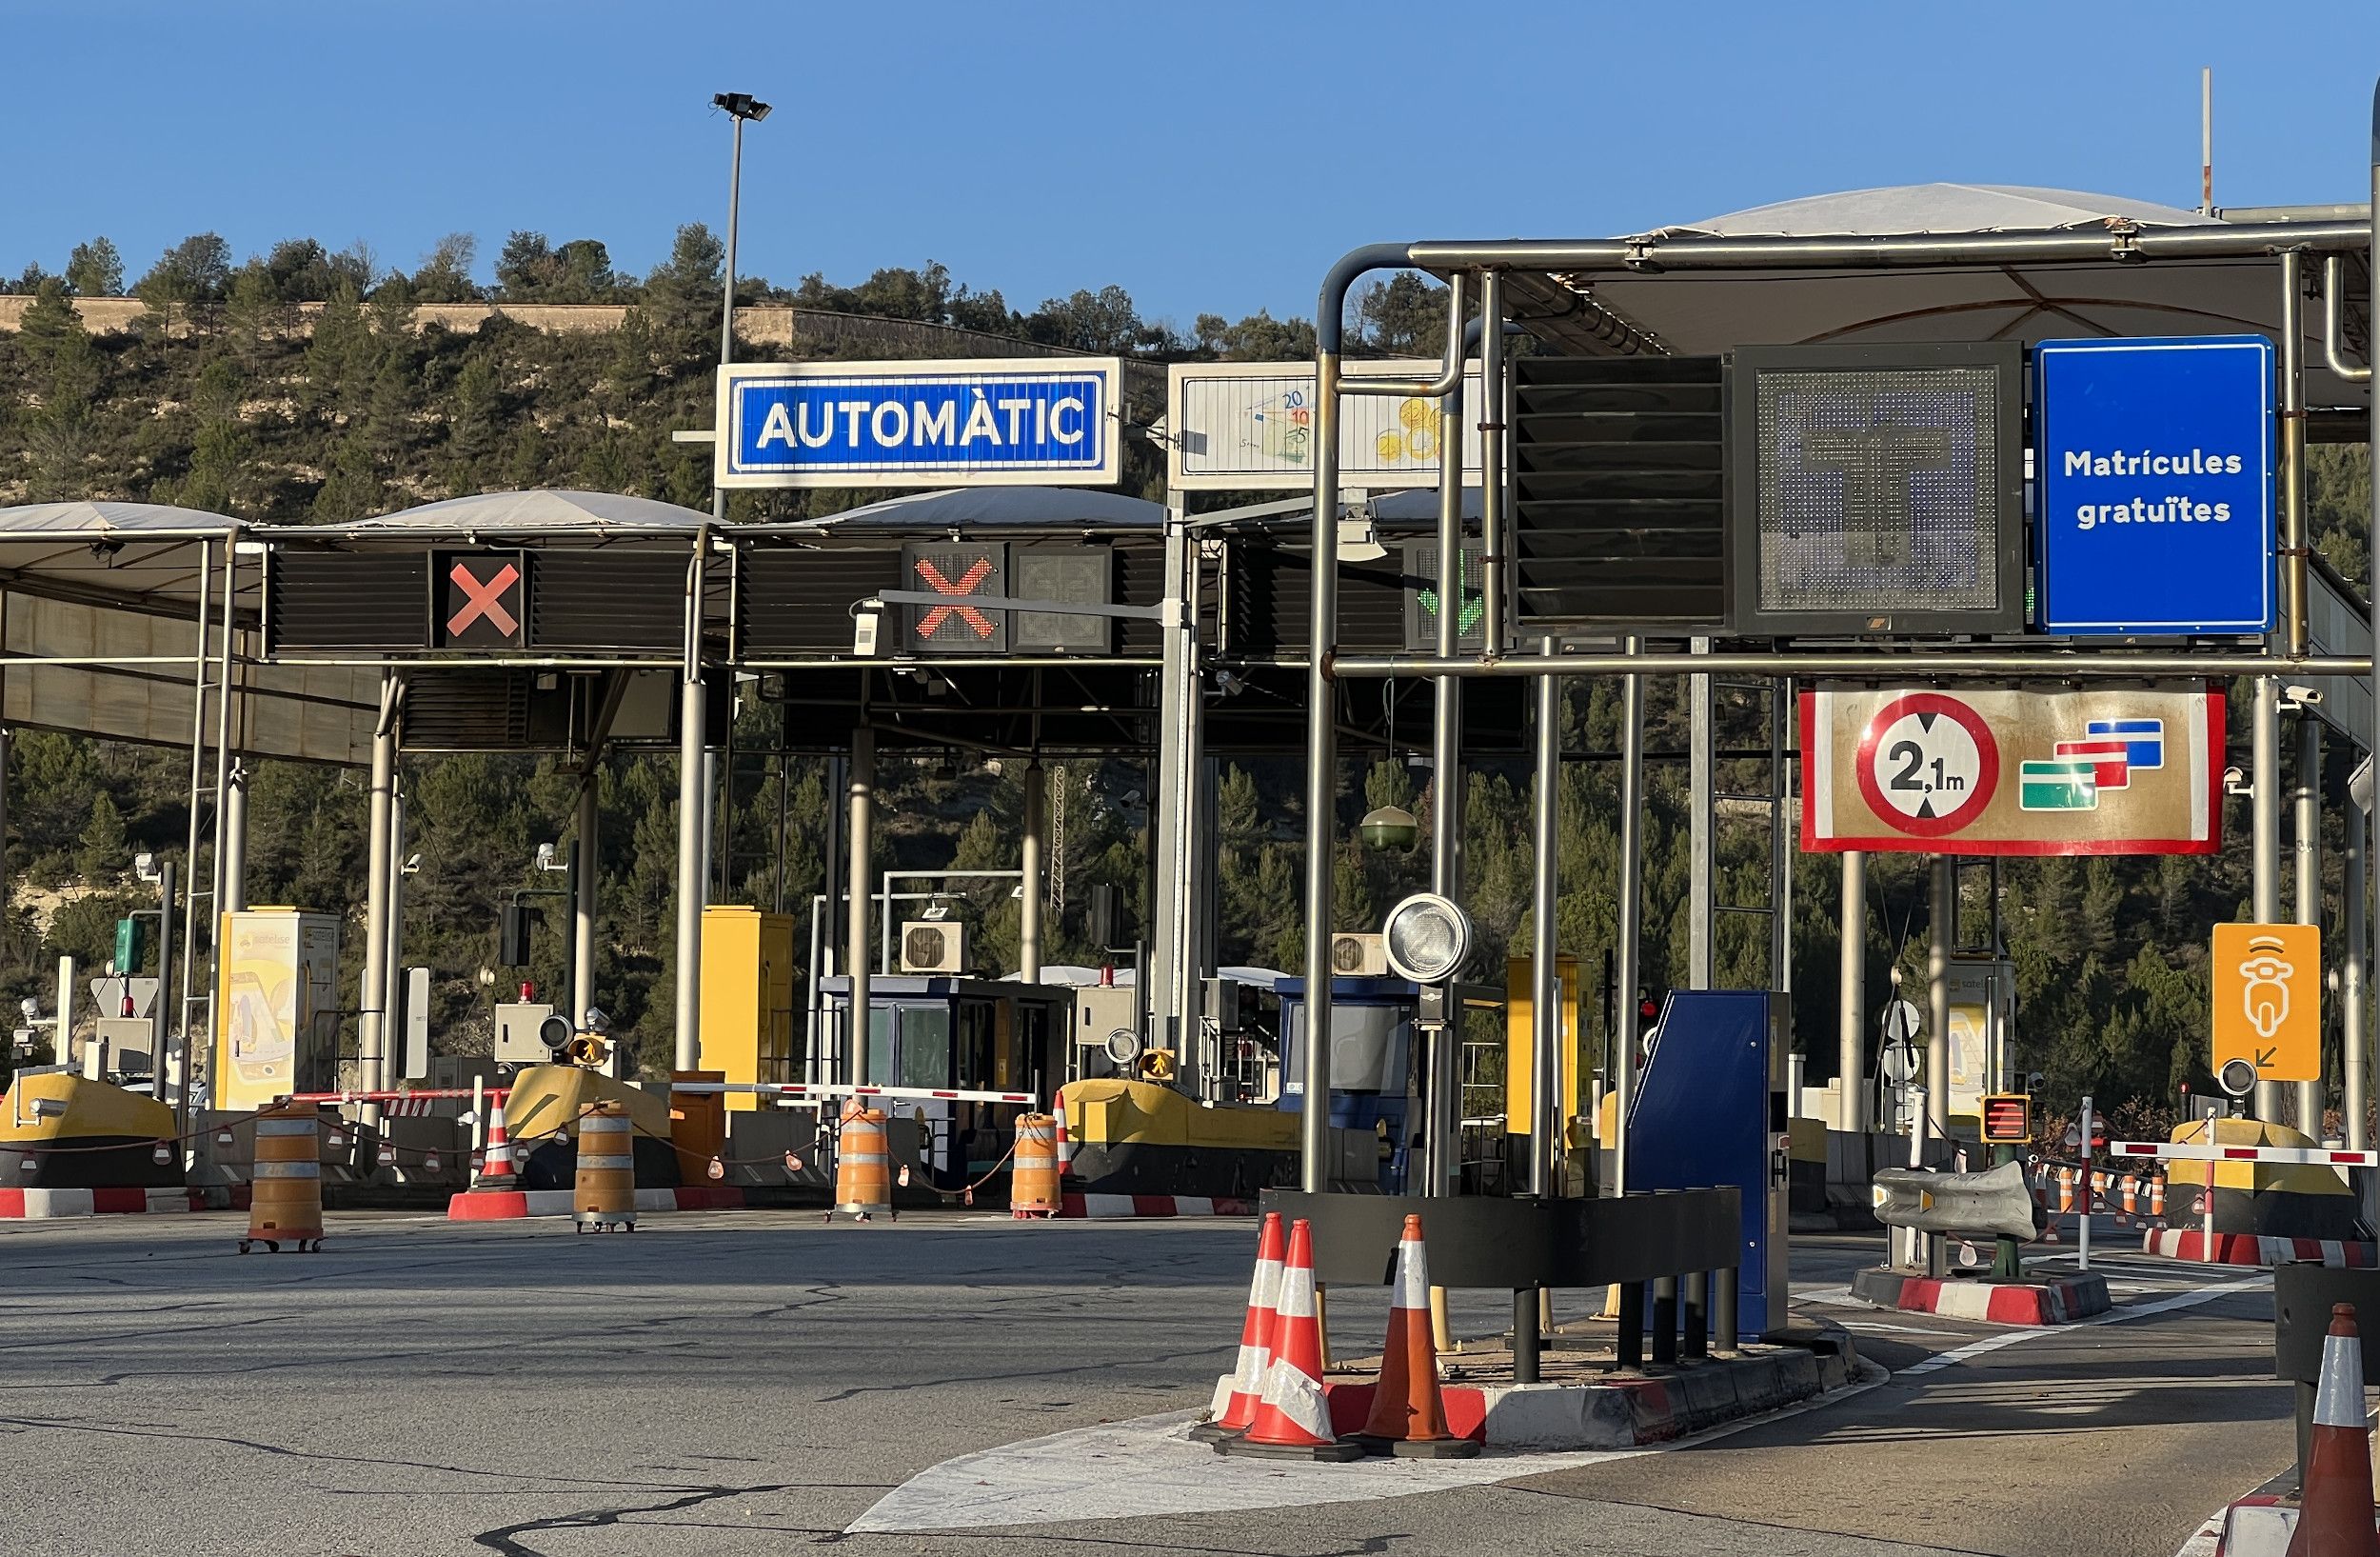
2153 470
919 424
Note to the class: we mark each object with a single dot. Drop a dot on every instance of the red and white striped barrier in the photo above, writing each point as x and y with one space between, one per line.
804 1090
1118 1205
45 1205
2192 1153
2256 1249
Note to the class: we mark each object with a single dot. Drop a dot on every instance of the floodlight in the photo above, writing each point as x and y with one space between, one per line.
742 104
2237 1077
1426 938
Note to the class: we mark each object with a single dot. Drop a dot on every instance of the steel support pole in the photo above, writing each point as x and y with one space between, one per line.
2264 806
2363 945
1545 985
860 835
1321 777
1442 1129
233 845
2354 1030
1852 1056
372 989
2293 543
160 1012
2306 846
715 849
693 811
1625 954
1942 901
392 997
172 998
1701 828
584 849
1036 836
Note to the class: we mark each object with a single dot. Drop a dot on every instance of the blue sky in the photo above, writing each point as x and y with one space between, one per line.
1207 155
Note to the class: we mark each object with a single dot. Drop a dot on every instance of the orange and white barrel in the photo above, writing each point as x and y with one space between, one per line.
1033 1180
2132 1194
863 1164
2156 1197
285 1199
2065 1190
603 1194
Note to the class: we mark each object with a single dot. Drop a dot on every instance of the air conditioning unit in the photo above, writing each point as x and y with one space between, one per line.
1359 956
933 946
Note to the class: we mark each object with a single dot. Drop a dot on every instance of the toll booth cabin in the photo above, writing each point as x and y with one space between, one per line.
947 1033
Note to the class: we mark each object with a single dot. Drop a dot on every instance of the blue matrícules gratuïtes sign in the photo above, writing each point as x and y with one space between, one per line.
1033 421
2153 465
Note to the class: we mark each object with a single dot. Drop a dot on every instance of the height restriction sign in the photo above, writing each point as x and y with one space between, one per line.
2011 770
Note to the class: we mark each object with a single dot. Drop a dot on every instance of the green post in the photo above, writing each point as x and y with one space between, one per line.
2006 1263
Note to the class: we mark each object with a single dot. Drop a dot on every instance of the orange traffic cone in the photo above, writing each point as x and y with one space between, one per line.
495 1171
1293 1418
1237 1393
1408 1417
2334 1517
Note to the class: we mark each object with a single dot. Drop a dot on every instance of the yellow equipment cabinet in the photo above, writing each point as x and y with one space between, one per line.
1520 1039
748 996
276 1007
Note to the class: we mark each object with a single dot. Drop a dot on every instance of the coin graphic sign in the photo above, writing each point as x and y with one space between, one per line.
2012 770
1928 765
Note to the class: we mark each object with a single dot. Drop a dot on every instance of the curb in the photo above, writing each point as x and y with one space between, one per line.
506 1205
2257 1249
48 1204
1626 1413
1115 1205
1995 1303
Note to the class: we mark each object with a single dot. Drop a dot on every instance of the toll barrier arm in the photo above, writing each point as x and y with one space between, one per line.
2303 1156
800 1092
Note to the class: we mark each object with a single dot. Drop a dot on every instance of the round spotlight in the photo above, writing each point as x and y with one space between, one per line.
1426 937
1390 827
2237 1077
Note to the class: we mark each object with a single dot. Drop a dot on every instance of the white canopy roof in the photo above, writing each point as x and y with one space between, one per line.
993 507
542 509
1939 208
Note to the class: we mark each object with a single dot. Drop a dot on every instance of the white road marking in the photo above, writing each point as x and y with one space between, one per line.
1148 1467
2114 1316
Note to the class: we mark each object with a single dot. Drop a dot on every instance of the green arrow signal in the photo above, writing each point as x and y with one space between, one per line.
1473 601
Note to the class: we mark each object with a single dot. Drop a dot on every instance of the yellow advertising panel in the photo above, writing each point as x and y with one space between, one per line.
276 1007
2012 770
2268 999
1520 1040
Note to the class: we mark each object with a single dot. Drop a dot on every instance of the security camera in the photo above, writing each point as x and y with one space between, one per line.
32 1008
2235 783
545 856
2300 697
595 1020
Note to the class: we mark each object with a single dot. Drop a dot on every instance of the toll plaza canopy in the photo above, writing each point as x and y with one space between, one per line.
115 602
2008 264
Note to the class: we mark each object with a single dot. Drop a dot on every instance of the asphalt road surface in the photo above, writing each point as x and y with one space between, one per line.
737 1383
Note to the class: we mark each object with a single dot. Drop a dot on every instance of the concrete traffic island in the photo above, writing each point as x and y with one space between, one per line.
1586 1401
2058 1302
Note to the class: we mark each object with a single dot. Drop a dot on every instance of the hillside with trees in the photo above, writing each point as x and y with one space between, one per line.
295 386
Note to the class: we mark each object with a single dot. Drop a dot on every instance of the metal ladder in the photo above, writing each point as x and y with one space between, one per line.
1775 698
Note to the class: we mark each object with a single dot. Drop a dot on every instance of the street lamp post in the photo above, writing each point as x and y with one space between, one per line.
692 738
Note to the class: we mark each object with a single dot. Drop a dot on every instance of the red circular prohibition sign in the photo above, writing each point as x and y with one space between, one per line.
1986 757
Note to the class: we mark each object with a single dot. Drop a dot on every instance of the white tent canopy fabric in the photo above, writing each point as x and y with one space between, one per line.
992 507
